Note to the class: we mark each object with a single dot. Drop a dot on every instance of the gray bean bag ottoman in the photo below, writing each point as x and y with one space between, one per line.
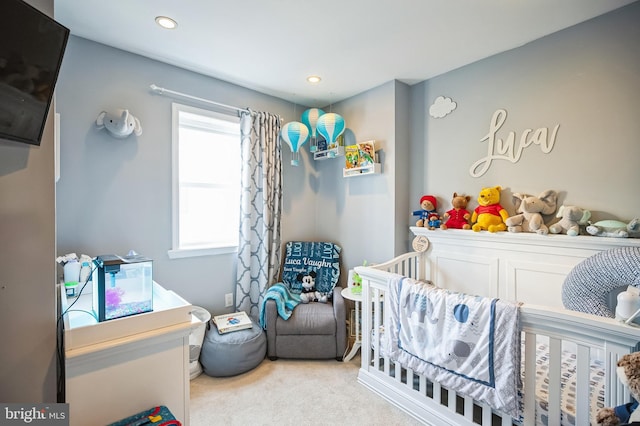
232 353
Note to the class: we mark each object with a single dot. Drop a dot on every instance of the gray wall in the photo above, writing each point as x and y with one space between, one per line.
27 266
361 213
115 195
585 78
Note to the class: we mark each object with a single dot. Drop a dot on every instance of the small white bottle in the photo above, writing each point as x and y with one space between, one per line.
71 271
628 304
85 271
71 277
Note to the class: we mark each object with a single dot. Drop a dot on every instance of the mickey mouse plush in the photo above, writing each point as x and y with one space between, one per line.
309 293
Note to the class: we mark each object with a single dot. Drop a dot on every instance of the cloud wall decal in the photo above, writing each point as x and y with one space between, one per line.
441 107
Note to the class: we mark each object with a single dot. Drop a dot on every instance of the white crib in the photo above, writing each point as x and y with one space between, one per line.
528 268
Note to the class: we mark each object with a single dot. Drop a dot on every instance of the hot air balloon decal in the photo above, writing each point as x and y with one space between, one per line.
310 118
330 126
295 134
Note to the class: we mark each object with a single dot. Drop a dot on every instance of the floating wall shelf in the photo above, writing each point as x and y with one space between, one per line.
371 169
329 153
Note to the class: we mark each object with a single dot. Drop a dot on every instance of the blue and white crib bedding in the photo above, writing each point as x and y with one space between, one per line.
567 386
467 343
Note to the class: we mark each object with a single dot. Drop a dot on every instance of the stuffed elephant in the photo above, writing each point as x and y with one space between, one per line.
120 124
530 210
571 219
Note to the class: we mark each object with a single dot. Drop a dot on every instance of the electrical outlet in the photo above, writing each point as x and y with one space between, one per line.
228 300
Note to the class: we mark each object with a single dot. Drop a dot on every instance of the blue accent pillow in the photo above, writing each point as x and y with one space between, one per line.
303 258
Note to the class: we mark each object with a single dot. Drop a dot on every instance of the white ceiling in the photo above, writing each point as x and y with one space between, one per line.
272 45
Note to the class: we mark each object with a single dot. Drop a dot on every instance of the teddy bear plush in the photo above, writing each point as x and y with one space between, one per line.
530 210
429 217
489 215
629 375
458 217
571 217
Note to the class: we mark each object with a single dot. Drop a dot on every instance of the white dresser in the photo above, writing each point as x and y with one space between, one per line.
117 368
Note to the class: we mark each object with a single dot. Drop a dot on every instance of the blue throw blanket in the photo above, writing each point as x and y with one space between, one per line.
285 301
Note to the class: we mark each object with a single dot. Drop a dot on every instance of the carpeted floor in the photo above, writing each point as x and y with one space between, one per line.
292 392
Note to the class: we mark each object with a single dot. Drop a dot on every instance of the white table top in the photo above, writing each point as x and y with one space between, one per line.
348 294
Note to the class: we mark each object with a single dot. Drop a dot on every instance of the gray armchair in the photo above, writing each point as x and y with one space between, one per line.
314 330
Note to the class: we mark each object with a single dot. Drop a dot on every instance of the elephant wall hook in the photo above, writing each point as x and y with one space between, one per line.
120 124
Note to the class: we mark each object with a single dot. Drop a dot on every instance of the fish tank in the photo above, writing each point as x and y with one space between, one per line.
122 286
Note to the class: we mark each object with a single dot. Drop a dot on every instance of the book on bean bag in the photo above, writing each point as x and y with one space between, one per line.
232 322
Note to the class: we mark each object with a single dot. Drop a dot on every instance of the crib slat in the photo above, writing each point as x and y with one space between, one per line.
468 408
555 351
486 415
615 392
451 400
409 378
437 392
582 385
529 378
611 390
506 420
365 325
423 385
376 324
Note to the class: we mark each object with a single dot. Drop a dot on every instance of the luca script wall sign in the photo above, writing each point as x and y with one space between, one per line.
508 149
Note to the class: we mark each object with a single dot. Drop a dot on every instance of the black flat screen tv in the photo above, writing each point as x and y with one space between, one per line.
32 45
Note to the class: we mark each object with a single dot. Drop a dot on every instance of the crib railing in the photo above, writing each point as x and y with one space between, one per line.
586 335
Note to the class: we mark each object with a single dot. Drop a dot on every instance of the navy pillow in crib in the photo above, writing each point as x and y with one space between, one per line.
304 258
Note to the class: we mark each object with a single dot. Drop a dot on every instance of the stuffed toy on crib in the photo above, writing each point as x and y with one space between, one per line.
629 374
458 217
489 215
429 217
529 211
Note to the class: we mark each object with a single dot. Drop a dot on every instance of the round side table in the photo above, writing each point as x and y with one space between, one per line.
357 298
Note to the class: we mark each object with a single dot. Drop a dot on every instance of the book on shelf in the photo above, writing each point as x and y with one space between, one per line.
322 144
232 322
351 156
366 153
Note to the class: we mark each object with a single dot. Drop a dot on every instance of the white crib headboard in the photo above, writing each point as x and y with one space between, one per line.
523 267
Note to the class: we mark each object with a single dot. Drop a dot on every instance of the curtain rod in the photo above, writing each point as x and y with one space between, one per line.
163 91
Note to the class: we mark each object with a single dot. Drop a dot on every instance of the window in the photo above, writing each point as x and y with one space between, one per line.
206 182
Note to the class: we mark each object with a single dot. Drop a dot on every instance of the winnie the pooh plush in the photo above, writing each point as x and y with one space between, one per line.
530 210
629 375
458 217
489 215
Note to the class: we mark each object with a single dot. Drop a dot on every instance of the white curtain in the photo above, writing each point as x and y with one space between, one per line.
260 209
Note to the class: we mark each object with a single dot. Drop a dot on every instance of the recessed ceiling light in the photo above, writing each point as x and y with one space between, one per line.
313 79
166 22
